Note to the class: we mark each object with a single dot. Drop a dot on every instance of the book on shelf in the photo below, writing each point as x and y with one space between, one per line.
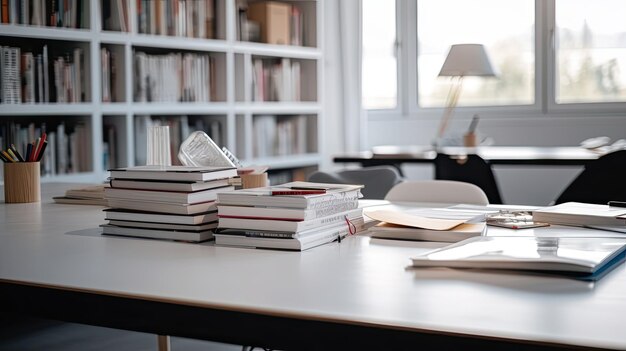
585 258
162 196
187 18
315 238
142 216
68 14
277 213
162 207
188 186
458 233
177 235
165 226
174 173
581 214
290 225
335 194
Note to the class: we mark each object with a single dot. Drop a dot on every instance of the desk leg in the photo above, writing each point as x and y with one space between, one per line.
164 342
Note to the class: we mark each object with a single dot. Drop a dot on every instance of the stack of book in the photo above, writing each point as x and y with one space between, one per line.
84 195
292 216
165 202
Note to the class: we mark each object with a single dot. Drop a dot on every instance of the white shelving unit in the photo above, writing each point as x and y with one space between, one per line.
234 107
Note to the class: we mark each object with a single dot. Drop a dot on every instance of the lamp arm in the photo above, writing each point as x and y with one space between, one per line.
451 101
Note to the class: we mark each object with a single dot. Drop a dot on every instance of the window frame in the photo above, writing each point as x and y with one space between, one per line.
545 104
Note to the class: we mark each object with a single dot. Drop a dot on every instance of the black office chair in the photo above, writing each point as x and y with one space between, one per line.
470 169
601 181
377 180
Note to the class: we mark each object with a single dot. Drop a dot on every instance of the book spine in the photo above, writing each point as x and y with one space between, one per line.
255 233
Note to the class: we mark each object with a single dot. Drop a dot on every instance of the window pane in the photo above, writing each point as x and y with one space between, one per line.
591 51
380 80
506 28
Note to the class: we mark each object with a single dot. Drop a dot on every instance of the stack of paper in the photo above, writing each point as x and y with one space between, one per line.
413 225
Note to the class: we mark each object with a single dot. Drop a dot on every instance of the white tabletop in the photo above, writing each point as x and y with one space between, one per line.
361 280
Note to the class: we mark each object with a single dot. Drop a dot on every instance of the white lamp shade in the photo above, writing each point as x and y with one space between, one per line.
467 60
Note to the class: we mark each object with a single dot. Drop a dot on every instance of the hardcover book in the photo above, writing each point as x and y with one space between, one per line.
179 173
333 195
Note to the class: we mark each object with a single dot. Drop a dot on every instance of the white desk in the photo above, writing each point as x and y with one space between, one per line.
357 294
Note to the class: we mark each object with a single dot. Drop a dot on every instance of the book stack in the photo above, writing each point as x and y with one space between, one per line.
165 202
292 216
84 195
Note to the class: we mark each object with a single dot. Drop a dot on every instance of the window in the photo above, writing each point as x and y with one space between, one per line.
590 51
379 66
548 54
506 30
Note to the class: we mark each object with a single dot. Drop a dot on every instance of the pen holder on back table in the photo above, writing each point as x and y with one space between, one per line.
22 182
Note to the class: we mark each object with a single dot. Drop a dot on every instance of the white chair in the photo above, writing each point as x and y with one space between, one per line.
439 191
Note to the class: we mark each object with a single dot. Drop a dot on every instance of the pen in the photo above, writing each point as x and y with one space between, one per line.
617 203
473 124
17 154
43 148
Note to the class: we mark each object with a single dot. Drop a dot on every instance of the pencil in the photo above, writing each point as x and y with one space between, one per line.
17 153
43 148
12 155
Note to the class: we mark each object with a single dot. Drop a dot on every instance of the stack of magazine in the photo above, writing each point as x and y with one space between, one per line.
165 202
291 216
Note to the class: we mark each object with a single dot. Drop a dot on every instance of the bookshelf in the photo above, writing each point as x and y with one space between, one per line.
260 100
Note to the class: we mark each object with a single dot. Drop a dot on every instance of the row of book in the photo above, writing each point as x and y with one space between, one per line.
111 81
280 136
276 80
188 18
174 77
25 77
52 13
66 152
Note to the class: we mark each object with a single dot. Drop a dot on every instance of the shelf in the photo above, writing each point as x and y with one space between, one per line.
166 108
113 61
46 109
287 161
279 108
261 49
26 31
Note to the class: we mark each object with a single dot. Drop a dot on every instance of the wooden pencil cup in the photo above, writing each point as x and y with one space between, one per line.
253 180
22 182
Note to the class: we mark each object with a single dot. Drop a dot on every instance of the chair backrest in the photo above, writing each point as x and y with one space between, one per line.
601 181
439 191
377 180
470 169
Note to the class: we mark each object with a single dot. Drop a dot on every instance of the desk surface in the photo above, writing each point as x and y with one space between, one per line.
361 287
511 155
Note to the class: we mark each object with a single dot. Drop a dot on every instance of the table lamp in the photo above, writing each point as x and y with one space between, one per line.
463 60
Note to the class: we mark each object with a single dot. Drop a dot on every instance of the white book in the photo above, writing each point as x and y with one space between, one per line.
319 238
581 214
179 173
165 226
165 196
335 194
161 207
129 215
168 186
290 226
277 213
177 235
562 255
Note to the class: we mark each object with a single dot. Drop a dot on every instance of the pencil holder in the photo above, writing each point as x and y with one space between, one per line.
21 182
254 180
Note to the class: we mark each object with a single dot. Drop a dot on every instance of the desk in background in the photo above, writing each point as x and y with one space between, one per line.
355 295
494 155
